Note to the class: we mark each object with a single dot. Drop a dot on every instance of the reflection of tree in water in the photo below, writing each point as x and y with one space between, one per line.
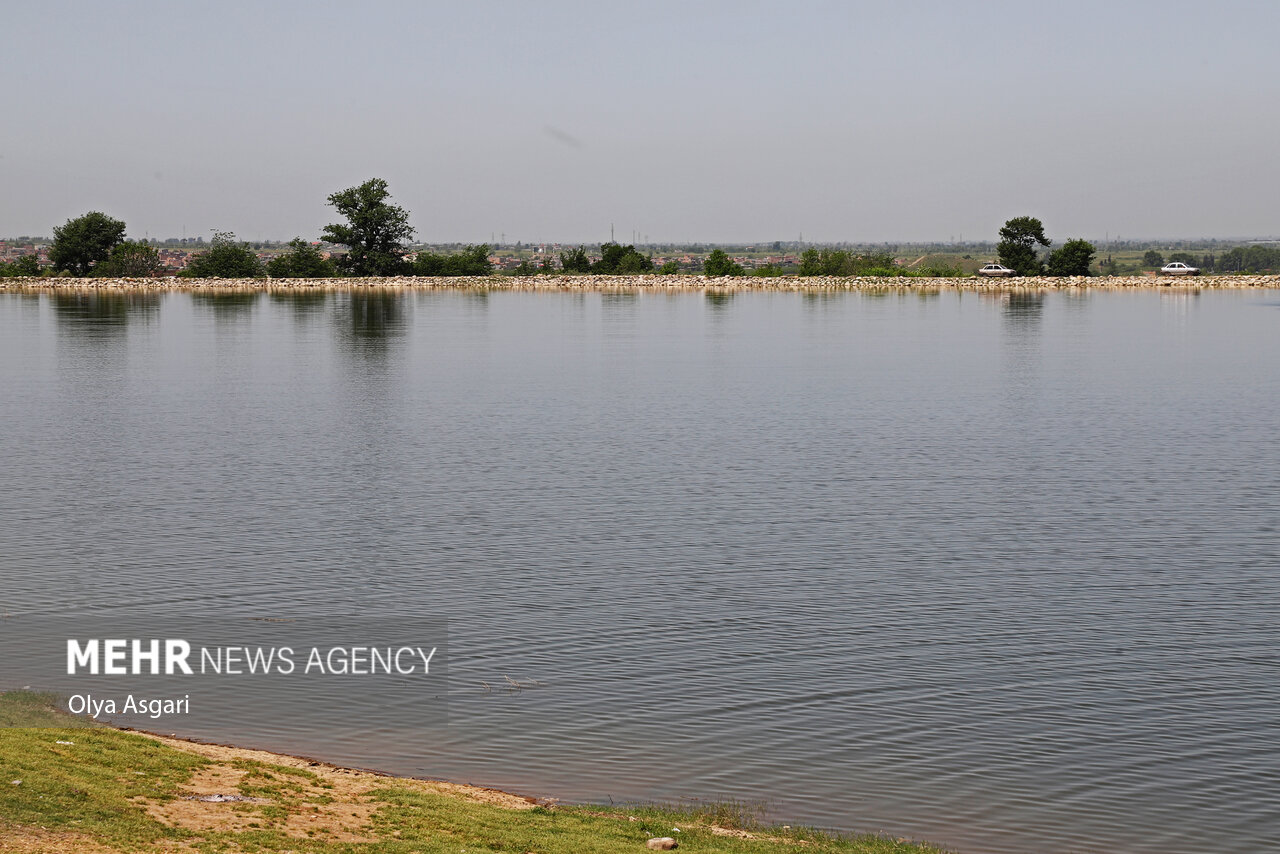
226 305
103 311
304 303
373 318
720 300
1024 308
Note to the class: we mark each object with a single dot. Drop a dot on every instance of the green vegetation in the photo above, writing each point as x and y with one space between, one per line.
669 268
839 262
226 258
471 261
131 258
81 243
1017 247
79 787
575 261
1152 260
720 264
27 265
1073 258
300 261
375 233
618 260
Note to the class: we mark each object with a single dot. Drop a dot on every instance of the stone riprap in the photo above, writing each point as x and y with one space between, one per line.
656 283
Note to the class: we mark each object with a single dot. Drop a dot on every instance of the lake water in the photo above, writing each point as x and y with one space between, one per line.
998 572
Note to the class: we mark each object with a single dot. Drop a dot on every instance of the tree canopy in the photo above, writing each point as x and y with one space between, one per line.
81 243
1072 258
1017 248
226 258
375 233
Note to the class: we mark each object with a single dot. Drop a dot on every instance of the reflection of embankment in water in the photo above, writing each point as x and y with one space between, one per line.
650 284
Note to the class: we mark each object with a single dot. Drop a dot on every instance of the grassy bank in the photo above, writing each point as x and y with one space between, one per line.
66 787
653 283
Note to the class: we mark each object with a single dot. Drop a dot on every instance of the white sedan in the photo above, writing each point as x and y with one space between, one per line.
996 270
1177 268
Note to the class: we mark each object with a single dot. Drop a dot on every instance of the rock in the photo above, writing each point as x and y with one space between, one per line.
661 843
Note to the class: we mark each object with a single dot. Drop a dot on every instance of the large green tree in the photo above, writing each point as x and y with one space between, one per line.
85 241
1017 248
375 233
1072 258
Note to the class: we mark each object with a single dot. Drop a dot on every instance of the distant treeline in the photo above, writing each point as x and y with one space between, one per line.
376 235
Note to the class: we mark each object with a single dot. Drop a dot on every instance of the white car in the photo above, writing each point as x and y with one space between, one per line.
1177 268
996 270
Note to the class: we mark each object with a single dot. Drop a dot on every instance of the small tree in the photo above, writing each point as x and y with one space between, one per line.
82 242
131 258
226 258
618 260
1152 259
26 265
375 233
720 264
575 261
1017 248
669 268
300 261
1072 258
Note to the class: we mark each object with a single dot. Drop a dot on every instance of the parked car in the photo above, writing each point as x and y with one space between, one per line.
996 270
1177 268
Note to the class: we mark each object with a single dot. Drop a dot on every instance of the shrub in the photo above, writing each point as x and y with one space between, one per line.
301 261
473 260
720 264
618 260
131 259
226 258
575 261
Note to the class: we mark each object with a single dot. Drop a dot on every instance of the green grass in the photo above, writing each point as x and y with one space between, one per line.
100 786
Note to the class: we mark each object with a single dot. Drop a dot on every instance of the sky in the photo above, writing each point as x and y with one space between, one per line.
674 122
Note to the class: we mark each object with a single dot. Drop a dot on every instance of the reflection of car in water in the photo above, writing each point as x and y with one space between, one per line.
996 270
1177 268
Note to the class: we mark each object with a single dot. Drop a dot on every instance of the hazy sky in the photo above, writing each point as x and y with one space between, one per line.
711 121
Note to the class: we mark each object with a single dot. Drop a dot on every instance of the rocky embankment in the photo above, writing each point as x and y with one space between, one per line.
649 283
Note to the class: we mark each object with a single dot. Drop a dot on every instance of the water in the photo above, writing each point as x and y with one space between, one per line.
1001 573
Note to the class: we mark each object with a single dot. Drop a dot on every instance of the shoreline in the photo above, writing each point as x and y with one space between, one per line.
644 283
97 789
